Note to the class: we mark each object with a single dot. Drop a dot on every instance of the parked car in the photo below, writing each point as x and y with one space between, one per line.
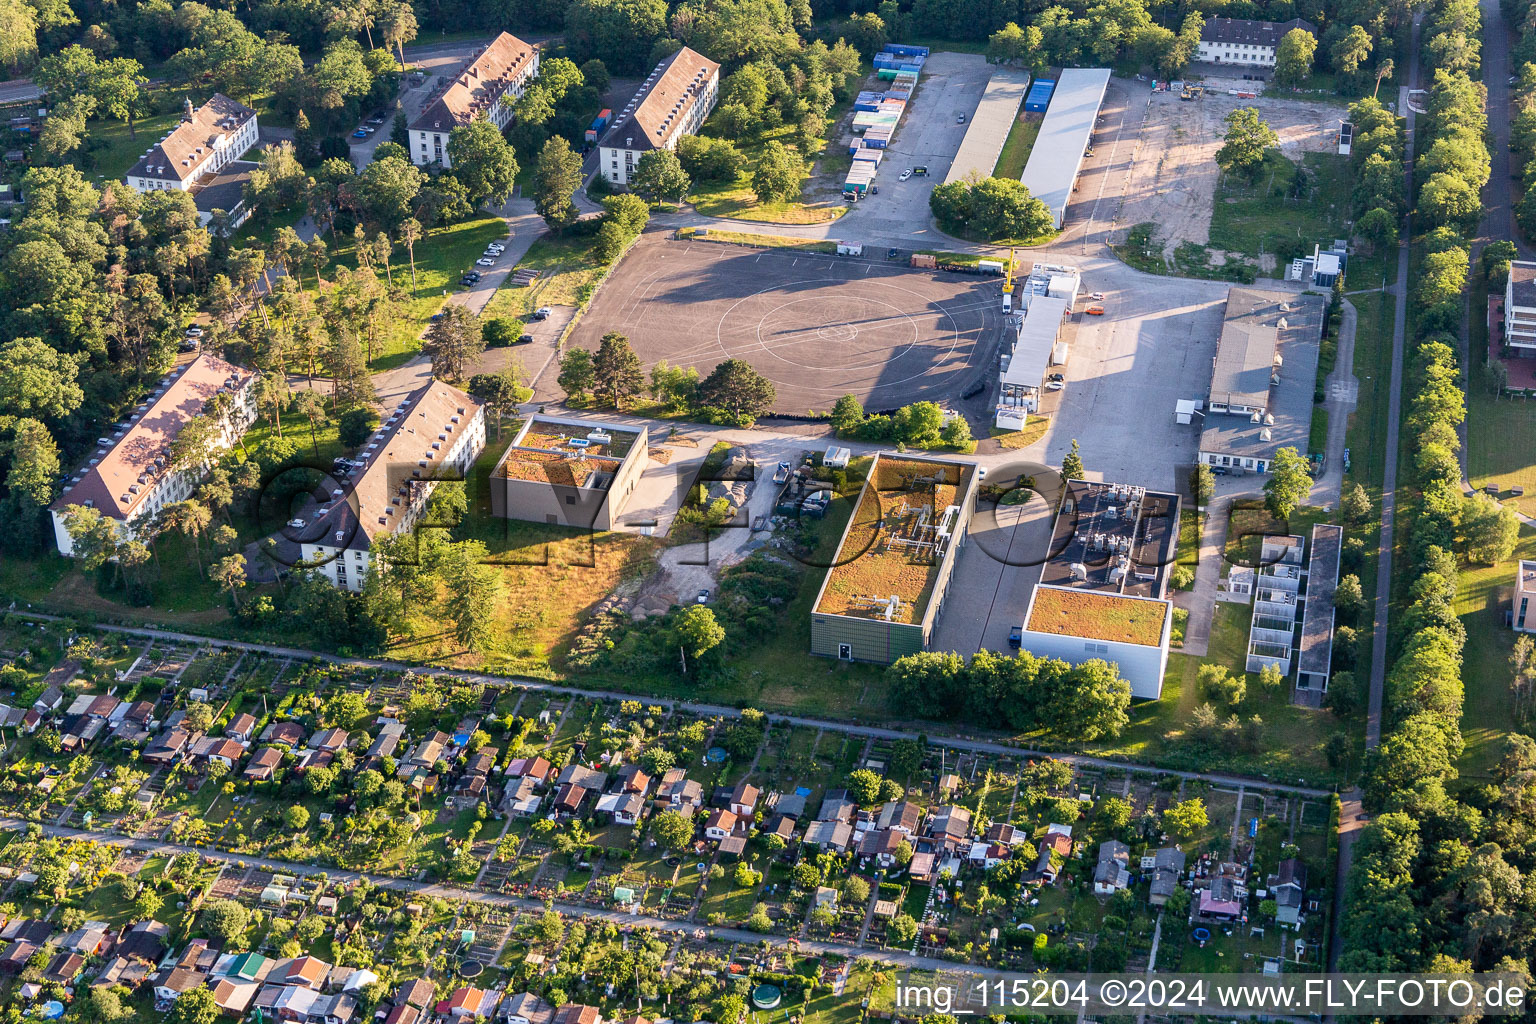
496 247
959 119
525 339
194 332
1016 640
359 134
703 597
1094 311
904 175
188 345
892 253
297 524
1057 376
1055 385
375 120
1097 297
1220 471
921 170
485 261
542 313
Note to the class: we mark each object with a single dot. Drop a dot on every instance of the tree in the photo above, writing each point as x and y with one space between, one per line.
473 592
1185 819
1114 813
1220 684
698 631
383 195
1247 138
1288 485
454 341
229 574
616 370
1356 504
199 717
1449 199
397 26
738 389
224 921
704 158
1351 50
1348 597
18 35
847 415
556 179
659 175
296 818
577 376
902 931
1072 465
196 1006
957 434
778 174
501 392
620 32
672 829
1004 208
355 425
1379 227
38 380
1293 57
863 785
1491 529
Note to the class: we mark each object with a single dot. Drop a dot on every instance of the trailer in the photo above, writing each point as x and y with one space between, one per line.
849 250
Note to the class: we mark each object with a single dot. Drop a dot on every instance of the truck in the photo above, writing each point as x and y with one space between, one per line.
782 473
1015 637
598 124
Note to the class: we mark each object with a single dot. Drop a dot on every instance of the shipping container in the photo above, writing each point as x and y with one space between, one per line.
1039 95
925 261
990 266
873 156
898 94
598 124
905 50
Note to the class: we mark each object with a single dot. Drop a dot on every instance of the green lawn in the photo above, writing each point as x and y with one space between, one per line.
1255 216
1017 147
1293 737
120 151
1368 432
1501 443
567 275
751 238
735 198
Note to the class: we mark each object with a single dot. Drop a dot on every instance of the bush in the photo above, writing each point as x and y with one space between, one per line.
501 331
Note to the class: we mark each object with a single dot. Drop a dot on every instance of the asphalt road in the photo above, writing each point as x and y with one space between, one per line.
19 89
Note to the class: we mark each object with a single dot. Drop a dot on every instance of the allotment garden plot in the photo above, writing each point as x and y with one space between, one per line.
817 325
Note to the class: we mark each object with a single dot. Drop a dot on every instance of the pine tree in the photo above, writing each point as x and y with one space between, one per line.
616 369
1072 465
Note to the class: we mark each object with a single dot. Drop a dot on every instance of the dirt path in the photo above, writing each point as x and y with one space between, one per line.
1173 179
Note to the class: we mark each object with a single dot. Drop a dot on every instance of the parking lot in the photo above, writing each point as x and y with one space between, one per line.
817 326
928 136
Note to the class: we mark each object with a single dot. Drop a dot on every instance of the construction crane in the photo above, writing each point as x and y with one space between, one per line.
1008 275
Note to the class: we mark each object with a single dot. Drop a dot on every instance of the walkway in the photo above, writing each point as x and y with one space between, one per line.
452 892
1342 390
964 743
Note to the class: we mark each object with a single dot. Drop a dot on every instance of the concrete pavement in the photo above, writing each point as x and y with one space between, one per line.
1342 390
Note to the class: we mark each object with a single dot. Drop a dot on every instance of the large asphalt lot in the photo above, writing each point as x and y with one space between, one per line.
817 325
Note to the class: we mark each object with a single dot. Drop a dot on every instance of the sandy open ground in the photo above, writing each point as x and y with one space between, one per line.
1173 177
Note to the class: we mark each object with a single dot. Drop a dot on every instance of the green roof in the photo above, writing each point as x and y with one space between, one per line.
248 966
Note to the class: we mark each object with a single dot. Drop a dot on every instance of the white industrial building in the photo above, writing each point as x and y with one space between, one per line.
1102 585
435 433
1051 173
1045 301
1520 308
486 87
129 478
674 101
1244 42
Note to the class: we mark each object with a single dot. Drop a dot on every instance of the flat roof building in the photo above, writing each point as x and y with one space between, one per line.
1520 308
1314 664
673 101
1525 597
1277 583
487 86
1262 378
434 433
569 472
1103 580
129 477
1046 298
883 594
1051 173
990 125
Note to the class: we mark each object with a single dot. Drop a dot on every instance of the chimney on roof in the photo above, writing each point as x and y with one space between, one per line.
187 110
